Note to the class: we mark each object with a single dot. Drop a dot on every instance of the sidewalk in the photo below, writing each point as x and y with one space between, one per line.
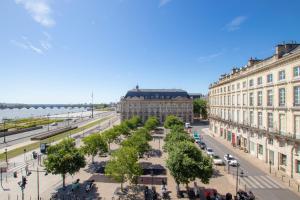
2 150
11 188
290 183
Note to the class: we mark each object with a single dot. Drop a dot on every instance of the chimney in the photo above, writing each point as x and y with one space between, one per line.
252 61
282 49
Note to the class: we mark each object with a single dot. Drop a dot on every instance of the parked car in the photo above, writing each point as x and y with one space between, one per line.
230 160
217 160
210 152
197 140
202 145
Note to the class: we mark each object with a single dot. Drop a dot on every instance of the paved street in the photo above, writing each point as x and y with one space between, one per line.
48 183
262 184
24 137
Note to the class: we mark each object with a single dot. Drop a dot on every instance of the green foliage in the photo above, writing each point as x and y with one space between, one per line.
177 128
151 123
64 158
94 144
27 123
171 121
122 129
123 165
139 141
134 122
186 163
200 107
174 137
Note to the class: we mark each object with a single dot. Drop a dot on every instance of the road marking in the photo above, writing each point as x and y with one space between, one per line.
248 183
256 182
269 182
275 183
263 182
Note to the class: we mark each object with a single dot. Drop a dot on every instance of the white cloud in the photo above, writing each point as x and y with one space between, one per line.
40 11
235 24
44 44
164 2
210 57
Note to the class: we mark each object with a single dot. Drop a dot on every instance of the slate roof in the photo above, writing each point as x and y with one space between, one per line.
157 93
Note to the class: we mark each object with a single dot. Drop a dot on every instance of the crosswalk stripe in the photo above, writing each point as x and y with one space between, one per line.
258 184
278 185
270 182
248 183
263 182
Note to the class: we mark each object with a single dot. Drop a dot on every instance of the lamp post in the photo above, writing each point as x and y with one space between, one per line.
4 134
237 177
48 120
6 159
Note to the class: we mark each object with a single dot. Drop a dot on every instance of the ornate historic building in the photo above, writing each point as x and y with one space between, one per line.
257 108
157 102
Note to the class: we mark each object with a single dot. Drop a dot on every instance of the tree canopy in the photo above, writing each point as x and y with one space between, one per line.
171 121
64 158
123 166
186 163
173 138
133 122
151 123
200 108
138 141
94 144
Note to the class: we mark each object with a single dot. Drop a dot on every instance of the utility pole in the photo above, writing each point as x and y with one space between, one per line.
4 134
48 120
92 105
237 178
38 183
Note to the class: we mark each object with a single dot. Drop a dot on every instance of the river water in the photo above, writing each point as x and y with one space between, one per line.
32 112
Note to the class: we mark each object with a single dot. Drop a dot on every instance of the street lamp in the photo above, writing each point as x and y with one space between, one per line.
48 120
237 177
6 157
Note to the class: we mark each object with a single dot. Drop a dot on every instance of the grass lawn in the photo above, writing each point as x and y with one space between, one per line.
29 147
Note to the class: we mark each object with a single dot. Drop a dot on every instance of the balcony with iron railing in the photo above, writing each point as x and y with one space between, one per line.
252 127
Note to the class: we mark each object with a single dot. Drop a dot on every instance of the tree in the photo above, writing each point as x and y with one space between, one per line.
123 166
138 141
200 108
94 144
110 136
151 123
172 120
122 129
186 163
134 122
173 138
64 158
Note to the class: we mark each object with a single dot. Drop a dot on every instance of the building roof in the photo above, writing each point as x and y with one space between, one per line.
157 93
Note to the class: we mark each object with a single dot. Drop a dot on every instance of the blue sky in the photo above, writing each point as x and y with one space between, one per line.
59 51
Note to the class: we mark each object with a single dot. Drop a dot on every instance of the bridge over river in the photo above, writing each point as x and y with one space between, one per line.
43 106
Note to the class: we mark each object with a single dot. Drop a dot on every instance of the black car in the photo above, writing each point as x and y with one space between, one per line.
202 145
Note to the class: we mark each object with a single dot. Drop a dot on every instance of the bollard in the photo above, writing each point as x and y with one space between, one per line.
281 177
245 187
298 188
289 182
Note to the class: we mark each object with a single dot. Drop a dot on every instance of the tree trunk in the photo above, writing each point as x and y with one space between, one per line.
64 178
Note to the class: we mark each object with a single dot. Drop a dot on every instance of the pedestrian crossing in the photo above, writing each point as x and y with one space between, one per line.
259 182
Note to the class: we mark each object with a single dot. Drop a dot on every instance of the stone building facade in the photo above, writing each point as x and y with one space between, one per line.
157 102
257 108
